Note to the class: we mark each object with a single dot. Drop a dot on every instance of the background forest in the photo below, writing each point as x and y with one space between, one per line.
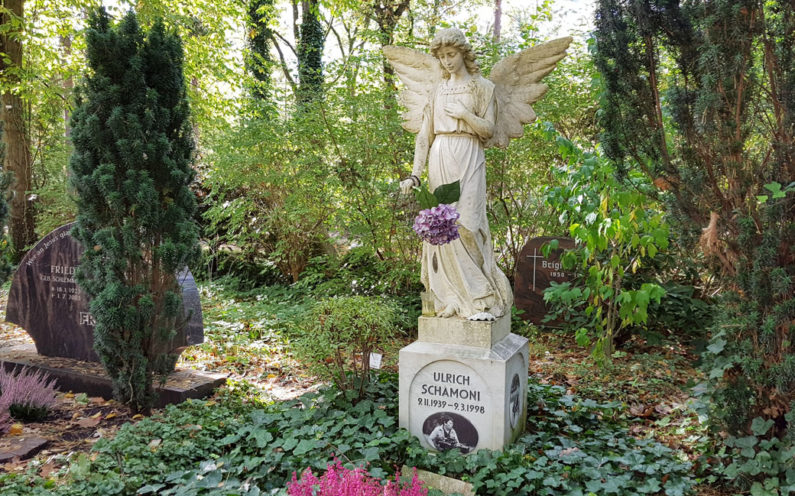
665 147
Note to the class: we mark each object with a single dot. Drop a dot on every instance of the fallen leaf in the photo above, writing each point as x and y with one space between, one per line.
88 422
640 410
69 395
47 469
15 465
663 409
97 415
15 429
153 444
137 417
110 415
569 451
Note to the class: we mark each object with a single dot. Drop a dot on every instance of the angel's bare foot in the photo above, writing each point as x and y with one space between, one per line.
448 311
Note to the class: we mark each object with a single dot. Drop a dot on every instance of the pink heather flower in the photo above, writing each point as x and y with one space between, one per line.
339 481
26 388
414 488
437 225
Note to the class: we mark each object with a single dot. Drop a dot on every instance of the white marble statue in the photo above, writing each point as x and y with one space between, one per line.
456 114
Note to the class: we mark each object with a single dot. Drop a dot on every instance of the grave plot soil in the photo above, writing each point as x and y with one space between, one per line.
652 381
79 421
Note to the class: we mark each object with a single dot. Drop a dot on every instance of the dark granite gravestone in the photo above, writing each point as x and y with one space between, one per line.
534 272
47 302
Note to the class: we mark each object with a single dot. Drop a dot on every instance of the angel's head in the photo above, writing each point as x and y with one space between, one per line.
454 38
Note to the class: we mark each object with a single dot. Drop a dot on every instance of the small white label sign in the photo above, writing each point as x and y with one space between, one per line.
375 360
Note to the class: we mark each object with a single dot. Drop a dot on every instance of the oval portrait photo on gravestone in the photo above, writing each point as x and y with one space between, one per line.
446 430
514 402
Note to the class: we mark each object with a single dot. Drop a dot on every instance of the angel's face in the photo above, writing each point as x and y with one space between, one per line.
451 59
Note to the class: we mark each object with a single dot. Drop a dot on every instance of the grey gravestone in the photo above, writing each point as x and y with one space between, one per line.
47 302
534 273
463 384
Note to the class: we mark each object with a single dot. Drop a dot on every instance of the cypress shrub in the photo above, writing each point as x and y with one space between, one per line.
131 170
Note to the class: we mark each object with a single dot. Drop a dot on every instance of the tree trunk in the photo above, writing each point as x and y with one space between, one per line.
497 20
387 14
68 85
18 159
310 54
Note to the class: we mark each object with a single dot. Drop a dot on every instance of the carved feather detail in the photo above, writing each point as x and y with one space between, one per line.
420 73
516 78
517 86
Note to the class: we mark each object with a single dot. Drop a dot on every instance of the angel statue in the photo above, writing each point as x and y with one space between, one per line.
457 114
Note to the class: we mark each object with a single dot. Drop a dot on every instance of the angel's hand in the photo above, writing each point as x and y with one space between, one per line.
406 185
456 110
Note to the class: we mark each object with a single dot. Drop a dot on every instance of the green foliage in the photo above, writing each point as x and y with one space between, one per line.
446 193
359 272
248 326
518 176
573 447
700 96
177 439
617 232
270 196
680 311
55 205
339 334
131 170
759 463
285 191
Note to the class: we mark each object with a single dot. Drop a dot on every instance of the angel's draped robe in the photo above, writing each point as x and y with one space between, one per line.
462 276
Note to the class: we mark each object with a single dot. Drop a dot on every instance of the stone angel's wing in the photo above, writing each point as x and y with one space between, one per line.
517 84
420 73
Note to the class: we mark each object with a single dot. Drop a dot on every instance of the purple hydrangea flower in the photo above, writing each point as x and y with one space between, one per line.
437 225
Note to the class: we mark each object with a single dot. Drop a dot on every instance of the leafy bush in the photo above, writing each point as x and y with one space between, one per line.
249 269
340 333
680 310
27 395
361 272
339 481
617 231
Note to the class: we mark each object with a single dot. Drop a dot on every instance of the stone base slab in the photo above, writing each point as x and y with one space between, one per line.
480 334
447 485
90 378
480 392
20 447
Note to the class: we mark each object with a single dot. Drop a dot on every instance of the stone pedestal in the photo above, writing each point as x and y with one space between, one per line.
463 384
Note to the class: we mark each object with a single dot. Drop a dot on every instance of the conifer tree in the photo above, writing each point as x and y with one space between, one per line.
701 96
131 168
